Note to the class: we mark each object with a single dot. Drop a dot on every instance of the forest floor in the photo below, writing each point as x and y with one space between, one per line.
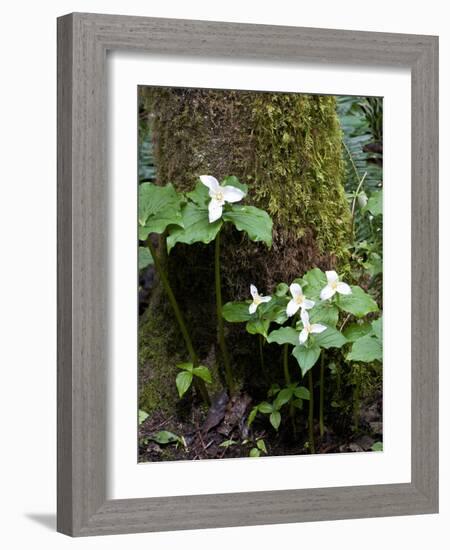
223 432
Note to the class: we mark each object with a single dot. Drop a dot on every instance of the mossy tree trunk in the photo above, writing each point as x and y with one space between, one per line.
287 148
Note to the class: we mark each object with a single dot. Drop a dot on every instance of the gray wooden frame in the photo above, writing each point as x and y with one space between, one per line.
83 41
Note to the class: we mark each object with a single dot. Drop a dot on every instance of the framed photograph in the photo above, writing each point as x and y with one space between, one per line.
247 274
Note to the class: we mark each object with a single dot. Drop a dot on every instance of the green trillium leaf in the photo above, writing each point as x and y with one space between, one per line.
377 328
159 208
258 326
145 258
253 221
358 303
284 335
278 315
200 195
330 338
274 311
366 349
306 356
282 289
196 227
356 330
254 453
236 312
313 282
324 313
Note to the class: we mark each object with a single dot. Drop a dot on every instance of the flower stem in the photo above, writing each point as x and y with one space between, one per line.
356 400
198 382
287 376
312 449
220 327
354 202
321 394
261 355
287 379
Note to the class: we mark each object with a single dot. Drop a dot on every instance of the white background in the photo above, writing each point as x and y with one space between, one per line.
28 303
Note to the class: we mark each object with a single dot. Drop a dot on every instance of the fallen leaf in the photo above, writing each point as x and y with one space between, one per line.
216 412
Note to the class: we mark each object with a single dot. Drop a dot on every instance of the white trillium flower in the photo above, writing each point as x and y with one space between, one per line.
299 300
334 285
315 328
220 194
257 299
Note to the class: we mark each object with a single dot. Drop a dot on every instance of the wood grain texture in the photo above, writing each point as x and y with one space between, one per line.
83 40
425 273
64 328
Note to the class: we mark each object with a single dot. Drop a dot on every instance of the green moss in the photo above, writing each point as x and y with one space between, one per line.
299 169
157 360
161 348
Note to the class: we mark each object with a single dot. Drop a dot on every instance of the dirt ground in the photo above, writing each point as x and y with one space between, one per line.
202 435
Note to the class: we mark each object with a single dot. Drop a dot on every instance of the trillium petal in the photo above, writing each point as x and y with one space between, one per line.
308 304
332 276
305 317
214 210
343 288
210 182
303 336
296 290
327 292
253 291
232 194
252 308
317 328
292 308
265 298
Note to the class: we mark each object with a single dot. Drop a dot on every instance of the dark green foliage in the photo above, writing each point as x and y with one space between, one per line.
361 121
363 140
146 162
